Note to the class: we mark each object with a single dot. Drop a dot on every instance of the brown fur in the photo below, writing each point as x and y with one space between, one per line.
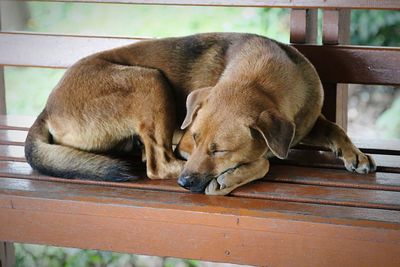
246 97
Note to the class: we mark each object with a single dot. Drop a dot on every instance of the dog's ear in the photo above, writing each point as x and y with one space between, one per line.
277 131
193 104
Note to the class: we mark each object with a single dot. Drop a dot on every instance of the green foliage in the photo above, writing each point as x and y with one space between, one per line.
375 27
389 121
36 255
27 89
154 21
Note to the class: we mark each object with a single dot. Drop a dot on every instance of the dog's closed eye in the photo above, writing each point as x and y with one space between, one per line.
217 153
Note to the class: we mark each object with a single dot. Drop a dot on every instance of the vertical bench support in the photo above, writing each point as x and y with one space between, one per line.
7 254
303 26
336 30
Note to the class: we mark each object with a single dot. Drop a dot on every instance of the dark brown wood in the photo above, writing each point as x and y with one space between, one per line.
278 173
259 232
7 254
332 177
335 30
354 4
314 158
354 64
377 190
303 26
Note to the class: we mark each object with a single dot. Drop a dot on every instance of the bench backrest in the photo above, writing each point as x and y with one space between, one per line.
336 62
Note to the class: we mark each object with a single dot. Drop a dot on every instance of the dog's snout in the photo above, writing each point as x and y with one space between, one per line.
194 182
186 181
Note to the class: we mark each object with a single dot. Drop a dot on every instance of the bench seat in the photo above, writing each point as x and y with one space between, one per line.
307 208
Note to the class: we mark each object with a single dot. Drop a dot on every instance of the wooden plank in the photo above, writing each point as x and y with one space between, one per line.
44 50
353 4
352 197
385 163
370 146
12 137
249 232
277 173
10 167
16 122
332 177
378 146
348 64
354 64
69 192
270 188
12 153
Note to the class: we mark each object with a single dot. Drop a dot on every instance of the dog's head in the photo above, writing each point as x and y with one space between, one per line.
224 136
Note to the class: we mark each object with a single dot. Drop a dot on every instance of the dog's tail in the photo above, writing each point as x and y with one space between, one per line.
62 161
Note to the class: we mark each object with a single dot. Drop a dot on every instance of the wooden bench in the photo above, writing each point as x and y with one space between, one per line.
308 211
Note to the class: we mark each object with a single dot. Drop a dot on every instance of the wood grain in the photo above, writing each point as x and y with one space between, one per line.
258 232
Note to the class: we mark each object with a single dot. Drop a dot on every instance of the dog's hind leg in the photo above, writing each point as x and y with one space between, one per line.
328 134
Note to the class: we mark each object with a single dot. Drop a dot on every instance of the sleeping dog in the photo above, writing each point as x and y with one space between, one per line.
226 102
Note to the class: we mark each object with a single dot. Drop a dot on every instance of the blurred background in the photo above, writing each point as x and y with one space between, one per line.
373 111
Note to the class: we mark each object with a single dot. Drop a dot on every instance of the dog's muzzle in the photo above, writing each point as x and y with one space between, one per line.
196 183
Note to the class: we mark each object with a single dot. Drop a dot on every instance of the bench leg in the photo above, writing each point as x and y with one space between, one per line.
7 254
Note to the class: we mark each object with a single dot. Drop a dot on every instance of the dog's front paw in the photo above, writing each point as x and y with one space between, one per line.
359 162
218 188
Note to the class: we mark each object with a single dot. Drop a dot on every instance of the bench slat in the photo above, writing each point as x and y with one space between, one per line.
349 64
385 163
188 201
332 177
246 231
12 137
12 153
353 4
270 189
354 64
16 122
278 173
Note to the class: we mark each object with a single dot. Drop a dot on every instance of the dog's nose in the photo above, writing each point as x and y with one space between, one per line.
186 181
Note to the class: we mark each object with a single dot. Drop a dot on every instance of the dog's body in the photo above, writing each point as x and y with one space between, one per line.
246 97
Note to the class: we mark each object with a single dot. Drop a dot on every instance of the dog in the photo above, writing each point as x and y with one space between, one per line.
238 98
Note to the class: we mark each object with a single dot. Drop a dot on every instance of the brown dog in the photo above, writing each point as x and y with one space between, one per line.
247 97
